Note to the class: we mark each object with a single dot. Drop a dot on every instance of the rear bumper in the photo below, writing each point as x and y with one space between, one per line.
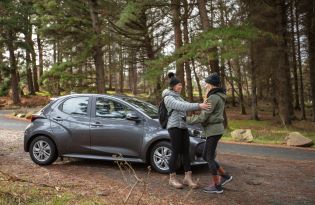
27 136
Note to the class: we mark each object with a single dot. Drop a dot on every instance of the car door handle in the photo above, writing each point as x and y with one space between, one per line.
96 124
59 119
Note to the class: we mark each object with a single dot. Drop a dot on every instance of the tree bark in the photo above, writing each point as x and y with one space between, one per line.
283 71
310 26
55 52
110 65
132 71
296 85
187 63
29 74
232 84
35 72
121 71
197 81
1 62
240 87
176 15
97 48
274 97
29 41
254 114
205 24
40 56
300 63
13 70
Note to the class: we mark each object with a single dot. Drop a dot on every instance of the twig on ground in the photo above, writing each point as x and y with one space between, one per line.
17 179
132 188
127 167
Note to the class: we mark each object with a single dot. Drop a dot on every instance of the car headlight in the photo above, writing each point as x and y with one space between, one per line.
194 132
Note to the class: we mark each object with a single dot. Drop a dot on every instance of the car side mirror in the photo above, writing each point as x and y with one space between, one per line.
132 116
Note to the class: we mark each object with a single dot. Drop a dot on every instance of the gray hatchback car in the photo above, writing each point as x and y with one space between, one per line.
94 126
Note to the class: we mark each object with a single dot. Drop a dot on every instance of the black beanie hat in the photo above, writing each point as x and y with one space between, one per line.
173 80
213 79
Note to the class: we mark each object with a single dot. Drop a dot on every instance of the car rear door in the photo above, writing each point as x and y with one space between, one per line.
70 123
111 132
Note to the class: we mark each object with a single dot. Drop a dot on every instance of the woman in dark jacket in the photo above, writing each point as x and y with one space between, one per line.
178 131
212 122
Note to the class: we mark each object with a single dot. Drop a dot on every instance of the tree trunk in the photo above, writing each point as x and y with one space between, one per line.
197 81
121 71
254 114
300 63
35 72
59 53
187 63
40 56
29 74
310 26
232 84
1 62
178 42
13 70
283 71
97 48
296 85
110 65
274 97
80 80
29 41
240 87
133 72
55 52
213 62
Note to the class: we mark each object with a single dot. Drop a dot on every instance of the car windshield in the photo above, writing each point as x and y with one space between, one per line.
147 108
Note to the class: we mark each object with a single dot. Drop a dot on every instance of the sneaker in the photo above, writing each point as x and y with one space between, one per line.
213 189
225 180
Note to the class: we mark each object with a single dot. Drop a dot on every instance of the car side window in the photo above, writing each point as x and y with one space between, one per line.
106 108
76 106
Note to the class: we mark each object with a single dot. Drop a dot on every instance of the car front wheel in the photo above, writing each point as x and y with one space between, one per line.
43 151
160 155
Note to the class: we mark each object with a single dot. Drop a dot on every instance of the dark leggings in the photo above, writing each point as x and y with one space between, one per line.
209 153
180 144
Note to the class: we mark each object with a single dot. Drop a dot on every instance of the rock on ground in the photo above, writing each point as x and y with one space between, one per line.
242 135
298 140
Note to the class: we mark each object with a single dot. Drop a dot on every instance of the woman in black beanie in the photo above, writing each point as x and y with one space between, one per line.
212 122
178 131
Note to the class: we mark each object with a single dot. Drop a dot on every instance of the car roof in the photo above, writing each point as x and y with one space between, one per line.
120 96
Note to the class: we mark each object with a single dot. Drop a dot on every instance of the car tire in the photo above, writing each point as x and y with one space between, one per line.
159 162
43 151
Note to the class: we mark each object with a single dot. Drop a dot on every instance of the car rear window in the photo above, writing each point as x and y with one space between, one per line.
76 106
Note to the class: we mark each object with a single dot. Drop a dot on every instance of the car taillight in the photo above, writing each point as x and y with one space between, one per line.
35 117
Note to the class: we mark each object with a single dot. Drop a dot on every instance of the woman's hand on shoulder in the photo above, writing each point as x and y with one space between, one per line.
205 106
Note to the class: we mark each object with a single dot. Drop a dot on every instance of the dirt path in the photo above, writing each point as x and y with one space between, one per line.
257 180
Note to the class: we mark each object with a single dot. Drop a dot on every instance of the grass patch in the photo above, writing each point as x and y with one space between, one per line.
12 193
43 94
267 132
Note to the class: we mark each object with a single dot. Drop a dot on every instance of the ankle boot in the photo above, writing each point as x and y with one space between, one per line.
174 182
188 180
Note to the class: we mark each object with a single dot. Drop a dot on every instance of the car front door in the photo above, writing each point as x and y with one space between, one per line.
70 122
111 132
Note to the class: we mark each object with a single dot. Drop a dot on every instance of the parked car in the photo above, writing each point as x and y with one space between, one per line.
104 127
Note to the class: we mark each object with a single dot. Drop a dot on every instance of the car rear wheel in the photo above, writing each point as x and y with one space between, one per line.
43 151
160 155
